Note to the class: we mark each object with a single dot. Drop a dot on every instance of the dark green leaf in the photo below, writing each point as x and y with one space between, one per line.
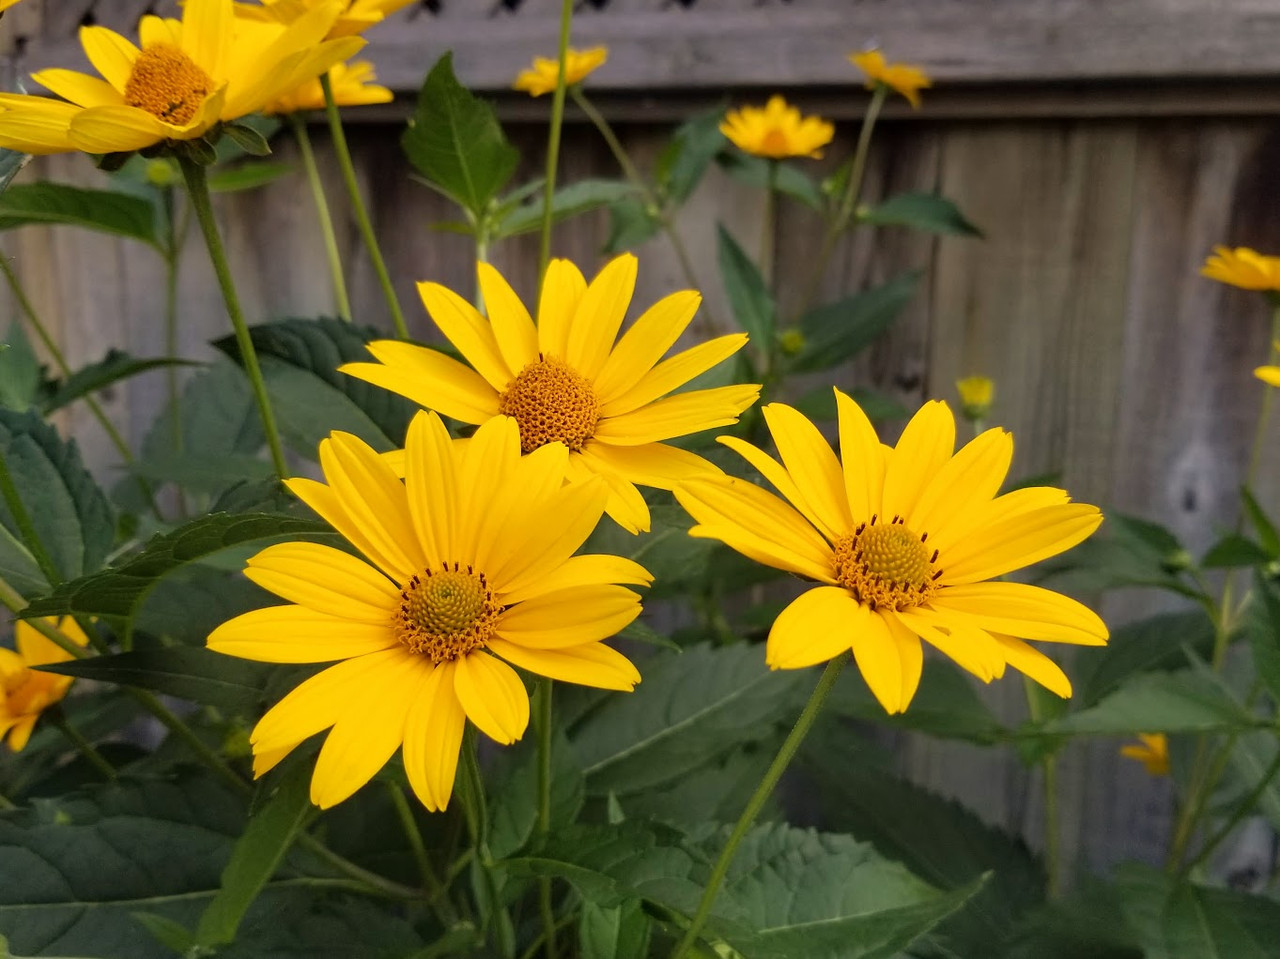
569 201
112 368
618 932
247 176
1180 702
21 373
1088 924
172 935
1235 550
820 404
754 171
455 140
247 139
1128 552
203 473
1148 645
749 297
920 211
1262 626
837 331
514 807
630 224
1268 535
106 211
686 158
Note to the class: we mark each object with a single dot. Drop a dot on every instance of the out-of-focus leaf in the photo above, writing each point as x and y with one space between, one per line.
105 211
1128 552
572 200
837 331
1268 535
1262 626
754 171
21 373
1182 702
920 211
112 368
1234 550
686 158
630 224
1149 645
820 404
247 176
749 297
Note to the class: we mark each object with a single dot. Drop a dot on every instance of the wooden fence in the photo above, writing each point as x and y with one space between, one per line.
1104 148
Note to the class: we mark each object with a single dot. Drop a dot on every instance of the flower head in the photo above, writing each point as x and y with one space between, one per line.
468 562
1268 374
905 543
566 381
26 692
6 4
354 16
544 74
900 77
352 85
777 130
1152 752
187 76
1243 267
976 396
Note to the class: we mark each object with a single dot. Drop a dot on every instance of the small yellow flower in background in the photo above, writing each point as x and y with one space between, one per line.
1243 267
544 74
469 562
907 543
354 16
187 76
777 130
900 77
1153 753
353 85
6 4
1268 374
26 692
565 379
976 395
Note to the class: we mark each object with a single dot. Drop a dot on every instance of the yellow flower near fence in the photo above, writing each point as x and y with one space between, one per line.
1152 752
353 85
977 393
777 130
354 16
903 78
542 77
1244 268
26 692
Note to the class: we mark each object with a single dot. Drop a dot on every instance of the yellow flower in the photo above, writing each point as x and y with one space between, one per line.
354 16
901 77
905 542
6 4
1153 753
469 559
976 395
1243 267
352 84
777 130
544 74
566 381
1268 374
187 76
25 692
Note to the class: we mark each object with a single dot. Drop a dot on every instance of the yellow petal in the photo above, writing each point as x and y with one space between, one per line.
433 737
599 315
1017 542
36 649
115 129
776 474
326 580
813 468
467 330
972 649
111 54
593 664
968 480
817 626
674 373
562 288
513 327
430 379
1031 662
529 483
431 486
79 88
880 661
910 655
36 125
569 617
587 570
645 343
653 464
153 30
207 33
926 444
862 459
956 527
489 458
20 733
539 547
295 634
625 506
1031 612
678 415
492 695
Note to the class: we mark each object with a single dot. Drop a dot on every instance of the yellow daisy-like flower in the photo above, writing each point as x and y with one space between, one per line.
354 16
1268 374
777 130
900 77
187 76
26 692
976 396
6 4
566 381
544 74
352 84
468 560
905 542
1243 267
1153 753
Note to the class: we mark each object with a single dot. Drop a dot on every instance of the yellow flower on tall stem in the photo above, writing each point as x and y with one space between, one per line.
1244 268
542 77
26 692
902 78
1152 751
565 379
905 544
468 566
777 130
354 16
976 396
187 76
354 85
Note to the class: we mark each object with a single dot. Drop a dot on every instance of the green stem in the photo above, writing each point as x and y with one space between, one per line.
171 318
767 224
1243 808
86 748
358 208
1264 413
1052 830
371 880
478 823
543 723
758 799
322 212
198 190
553 140
436 897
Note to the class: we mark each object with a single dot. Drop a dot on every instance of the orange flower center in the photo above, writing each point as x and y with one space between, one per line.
167 84
446 613
552 403
775 143
886 565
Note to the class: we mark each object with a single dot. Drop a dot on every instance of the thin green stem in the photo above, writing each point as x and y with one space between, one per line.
171 258
322 212
553 140
543 723
371 880
1264 412
768 225
359 209
198 191
86 748
436 898
758 799
1243 808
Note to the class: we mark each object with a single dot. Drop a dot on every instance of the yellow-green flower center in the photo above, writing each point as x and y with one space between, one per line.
167 84
886 565
775 143
446 613
552 403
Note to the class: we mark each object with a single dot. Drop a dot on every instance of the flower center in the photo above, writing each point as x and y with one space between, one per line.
886 565
446 613
775 141
552 403
167 84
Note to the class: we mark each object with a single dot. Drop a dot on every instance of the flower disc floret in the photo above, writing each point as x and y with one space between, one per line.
886 565
552 403
446 613
167 83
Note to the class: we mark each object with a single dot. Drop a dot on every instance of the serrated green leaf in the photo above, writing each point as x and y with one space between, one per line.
1235 550
21 373
1181 702
112 368
837 331
754 171
572 200
749 297
106 211
455 140
630 224
513 809
619 932
1148 645
691 150
920 211
247 176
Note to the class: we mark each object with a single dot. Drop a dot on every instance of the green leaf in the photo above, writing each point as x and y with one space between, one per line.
11 163
188 672
691 150
920 211
1148 645
1129 552
691 708
256 856
577 198
1267 532
513 809
630 224
820 404
300 360
1087 924
68 510
112 368
749 297
1182 702
618 932
247 139
21 373
106 211
754 171
119 590
455 140
1235 550
247 176
1262 626
839 330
